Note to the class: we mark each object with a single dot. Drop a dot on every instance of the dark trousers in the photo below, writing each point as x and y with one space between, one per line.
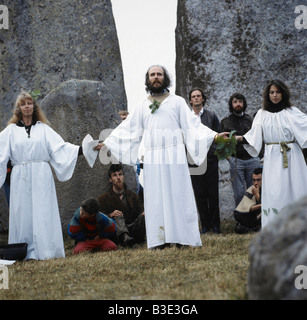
248 219
206 191
136 229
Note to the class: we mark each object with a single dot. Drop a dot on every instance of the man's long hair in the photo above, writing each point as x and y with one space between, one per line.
166 82
285 102
238 96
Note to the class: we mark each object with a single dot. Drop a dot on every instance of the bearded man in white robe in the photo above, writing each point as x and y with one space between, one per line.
168 128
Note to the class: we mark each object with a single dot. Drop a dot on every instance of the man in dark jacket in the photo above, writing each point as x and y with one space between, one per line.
206 185
241 166
125 207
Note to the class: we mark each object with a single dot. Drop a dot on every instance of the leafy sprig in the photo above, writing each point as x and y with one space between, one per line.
226 147
154 106
35 94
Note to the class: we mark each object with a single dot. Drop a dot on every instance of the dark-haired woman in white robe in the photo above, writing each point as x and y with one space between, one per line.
283 129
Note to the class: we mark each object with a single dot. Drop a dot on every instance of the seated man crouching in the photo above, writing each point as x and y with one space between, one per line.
248 212
91 229
125 207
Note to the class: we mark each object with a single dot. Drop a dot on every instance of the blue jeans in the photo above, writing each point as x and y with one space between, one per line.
242 175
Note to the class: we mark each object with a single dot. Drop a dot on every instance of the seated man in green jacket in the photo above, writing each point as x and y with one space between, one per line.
125 207
91 229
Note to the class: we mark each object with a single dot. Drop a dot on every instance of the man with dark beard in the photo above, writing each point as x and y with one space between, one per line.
242 164
125 207
168 128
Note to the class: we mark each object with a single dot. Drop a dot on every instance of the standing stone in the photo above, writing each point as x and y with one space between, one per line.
228 46
238 46
52 41
49 43
278 257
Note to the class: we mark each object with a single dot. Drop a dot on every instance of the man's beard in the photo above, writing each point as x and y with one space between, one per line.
119 185
158 89
238 111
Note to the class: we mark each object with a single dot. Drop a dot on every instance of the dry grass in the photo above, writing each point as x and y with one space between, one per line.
216 271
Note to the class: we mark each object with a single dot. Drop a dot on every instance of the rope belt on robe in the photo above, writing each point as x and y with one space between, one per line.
24 173
283 148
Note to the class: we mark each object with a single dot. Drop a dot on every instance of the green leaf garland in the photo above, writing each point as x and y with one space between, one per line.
154 106
226 147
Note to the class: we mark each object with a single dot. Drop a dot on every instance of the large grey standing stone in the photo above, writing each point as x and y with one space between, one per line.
278 257
53 41
74 109
227 46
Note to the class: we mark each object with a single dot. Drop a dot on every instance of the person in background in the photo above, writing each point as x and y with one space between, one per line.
242 164
125 207
91 229
283 129
248 212
123 114
206 185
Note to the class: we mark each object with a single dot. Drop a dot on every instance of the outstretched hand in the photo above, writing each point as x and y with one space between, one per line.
225 135
98 147
239 138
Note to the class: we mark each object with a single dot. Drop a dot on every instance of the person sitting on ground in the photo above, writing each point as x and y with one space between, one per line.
248 212
125 207
91 229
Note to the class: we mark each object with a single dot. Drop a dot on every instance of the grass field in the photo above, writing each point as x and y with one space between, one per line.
215 271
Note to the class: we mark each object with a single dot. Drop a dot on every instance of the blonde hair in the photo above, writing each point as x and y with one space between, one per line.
38 113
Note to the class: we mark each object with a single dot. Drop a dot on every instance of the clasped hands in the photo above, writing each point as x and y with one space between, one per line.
225 135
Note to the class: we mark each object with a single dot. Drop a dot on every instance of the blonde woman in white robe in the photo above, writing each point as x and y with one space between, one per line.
32 146
283 129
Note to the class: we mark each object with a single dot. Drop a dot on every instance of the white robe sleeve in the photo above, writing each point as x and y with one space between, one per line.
198 137
298 123
4 152
63 155
125 139
254 136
